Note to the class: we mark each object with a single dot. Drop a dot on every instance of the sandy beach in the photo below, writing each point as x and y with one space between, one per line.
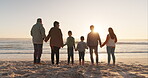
26 69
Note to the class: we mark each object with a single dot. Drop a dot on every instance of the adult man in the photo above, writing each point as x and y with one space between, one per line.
92 43
38 35
56 41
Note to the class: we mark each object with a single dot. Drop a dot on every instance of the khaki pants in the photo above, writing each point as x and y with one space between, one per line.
95 49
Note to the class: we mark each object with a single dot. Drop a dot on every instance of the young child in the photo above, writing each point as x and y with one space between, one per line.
81 48
70 42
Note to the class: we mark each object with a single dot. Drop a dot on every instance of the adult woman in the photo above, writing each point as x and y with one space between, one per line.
111 39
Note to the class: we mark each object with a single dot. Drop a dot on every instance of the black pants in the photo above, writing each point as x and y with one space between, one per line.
110 51
81 55
37 52
55 50
70 55
95 48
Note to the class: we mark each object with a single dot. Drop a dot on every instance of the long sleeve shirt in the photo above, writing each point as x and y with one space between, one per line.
55 36
38 33
70 42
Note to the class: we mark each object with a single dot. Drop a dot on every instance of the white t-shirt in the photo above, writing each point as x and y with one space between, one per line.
111 42
81 46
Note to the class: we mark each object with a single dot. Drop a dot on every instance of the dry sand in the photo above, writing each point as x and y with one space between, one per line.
26 69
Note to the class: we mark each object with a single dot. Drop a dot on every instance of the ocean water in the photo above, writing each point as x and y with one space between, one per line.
25 46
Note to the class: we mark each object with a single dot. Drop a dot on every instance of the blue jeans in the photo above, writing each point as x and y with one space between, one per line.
111 50
37 52
70 55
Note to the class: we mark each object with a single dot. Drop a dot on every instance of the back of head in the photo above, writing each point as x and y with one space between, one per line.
92 27
55 23
39 20
82 37
70 32
111 33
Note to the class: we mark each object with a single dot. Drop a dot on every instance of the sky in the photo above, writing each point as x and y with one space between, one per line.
128 18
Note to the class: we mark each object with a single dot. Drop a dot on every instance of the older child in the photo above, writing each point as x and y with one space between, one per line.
81 48
70 47
111 39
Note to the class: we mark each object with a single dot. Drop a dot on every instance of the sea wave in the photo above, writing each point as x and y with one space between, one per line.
75 52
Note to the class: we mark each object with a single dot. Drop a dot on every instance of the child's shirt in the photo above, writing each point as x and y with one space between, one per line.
70 42
81 46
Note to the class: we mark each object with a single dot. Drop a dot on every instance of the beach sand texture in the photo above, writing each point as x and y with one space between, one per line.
26 69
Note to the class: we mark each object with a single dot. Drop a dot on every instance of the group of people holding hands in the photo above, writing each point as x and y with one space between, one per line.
56 42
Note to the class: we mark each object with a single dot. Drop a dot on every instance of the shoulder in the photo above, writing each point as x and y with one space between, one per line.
52 28
79 42
108 35
84 43
72 37
89 34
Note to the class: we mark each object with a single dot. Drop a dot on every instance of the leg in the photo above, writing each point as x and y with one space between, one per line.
91 55
113 56
40 52
57 55
108 52
83 54
80 54
72 55
96 53
68 55
35 53
52 55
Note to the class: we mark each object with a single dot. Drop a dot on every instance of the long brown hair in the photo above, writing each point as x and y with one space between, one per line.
111 33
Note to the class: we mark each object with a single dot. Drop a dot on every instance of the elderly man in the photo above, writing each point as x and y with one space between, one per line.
38 35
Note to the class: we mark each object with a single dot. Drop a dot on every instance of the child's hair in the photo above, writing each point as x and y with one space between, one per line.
82 37
69 32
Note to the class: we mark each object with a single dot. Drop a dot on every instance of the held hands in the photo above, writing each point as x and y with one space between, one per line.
45 40
76 49
101 46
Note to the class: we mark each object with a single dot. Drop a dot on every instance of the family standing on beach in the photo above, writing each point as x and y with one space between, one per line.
56 42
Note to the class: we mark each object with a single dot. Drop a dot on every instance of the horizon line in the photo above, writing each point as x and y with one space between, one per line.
78 38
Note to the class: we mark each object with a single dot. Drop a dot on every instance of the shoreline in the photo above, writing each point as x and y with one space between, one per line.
124 58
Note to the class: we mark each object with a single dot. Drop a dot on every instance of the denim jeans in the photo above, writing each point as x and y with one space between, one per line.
70 55
37 52
55 50
110 50
95 48
81 55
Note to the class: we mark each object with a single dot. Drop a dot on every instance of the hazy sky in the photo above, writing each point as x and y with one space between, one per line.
128 18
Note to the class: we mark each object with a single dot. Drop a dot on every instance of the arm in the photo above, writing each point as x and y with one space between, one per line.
107 38
77 47
88 40
86 47
99 39
115 39
31 32
74 43
66 42
61 38
48 36
43 32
